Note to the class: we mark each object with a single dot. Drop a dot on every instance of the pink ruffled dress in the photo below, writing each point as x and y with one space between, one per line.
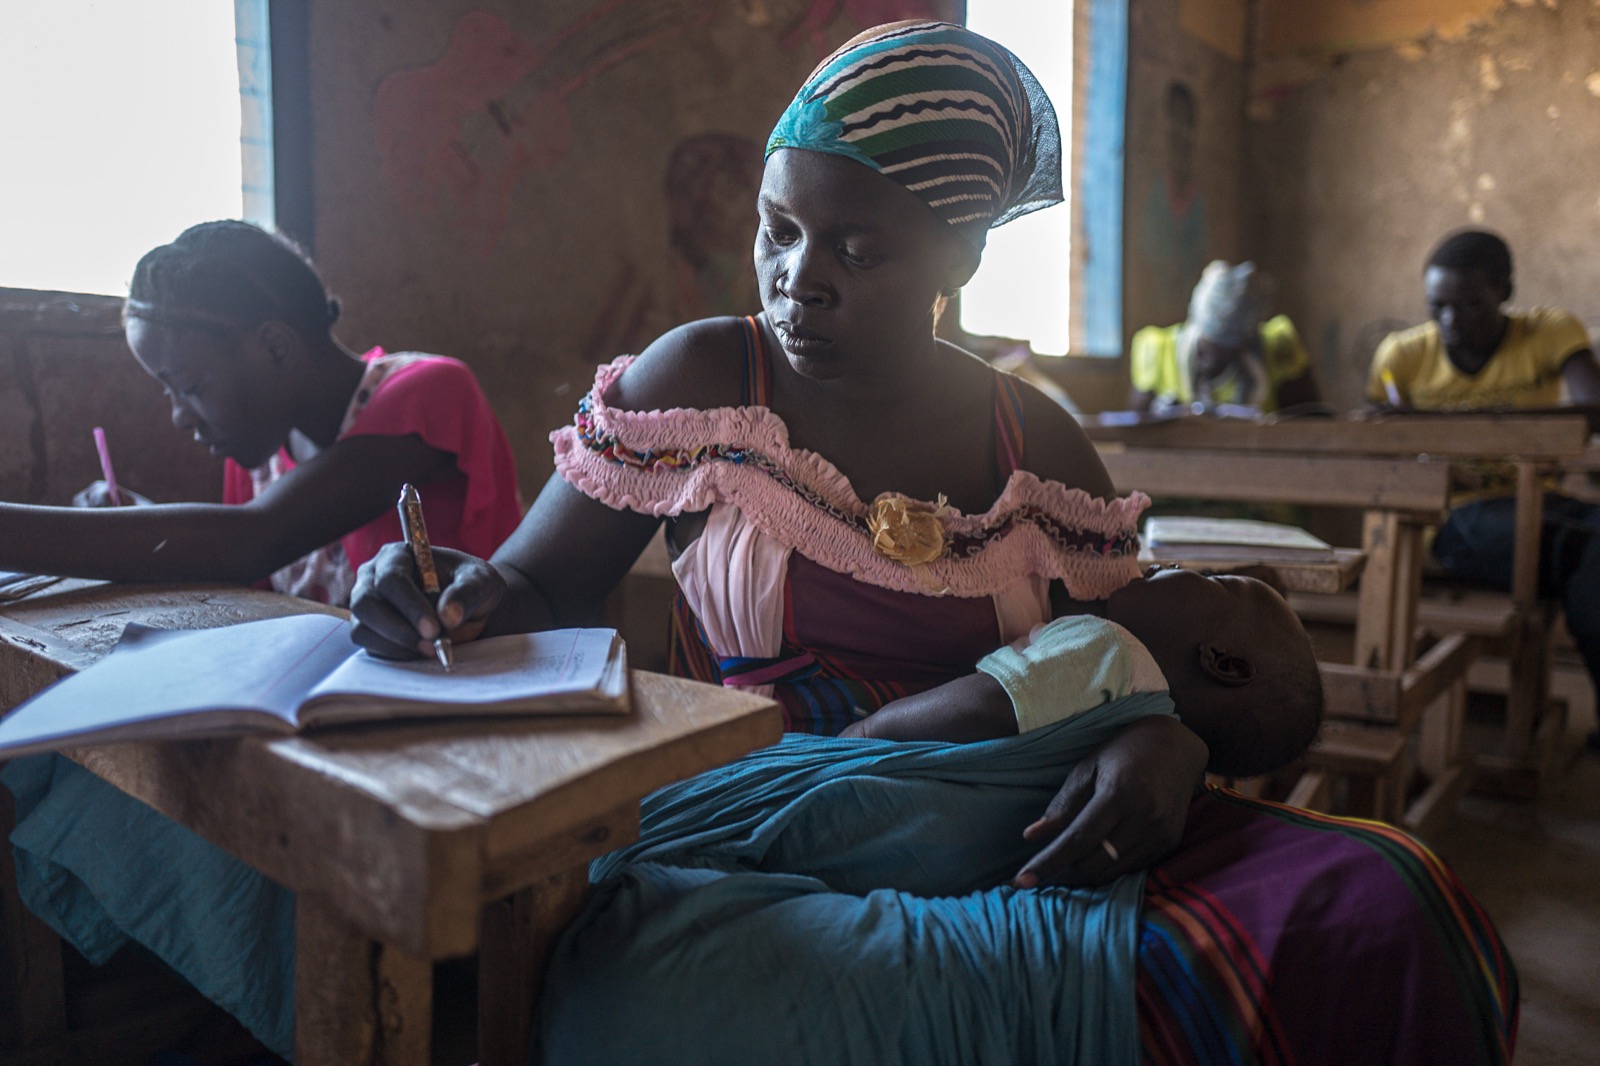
784 594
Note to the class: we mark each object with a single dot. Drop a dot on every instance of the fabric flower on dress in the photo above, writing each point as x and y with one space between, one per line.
907 531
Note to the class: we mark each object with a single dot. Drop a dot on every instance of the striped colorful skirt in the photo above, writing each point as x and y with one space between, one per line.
1277 935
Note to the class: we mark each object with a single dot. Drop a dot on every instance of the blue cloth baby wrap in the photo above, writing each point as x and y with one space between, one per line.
821 901
830 902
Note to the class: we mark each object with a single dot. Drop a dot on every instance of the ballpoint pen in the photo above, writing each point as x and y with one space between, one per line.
415 531
106 472
1391 390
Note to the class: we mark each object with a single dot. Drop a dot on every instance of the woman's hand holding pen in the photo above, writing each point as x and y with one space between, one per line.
397 620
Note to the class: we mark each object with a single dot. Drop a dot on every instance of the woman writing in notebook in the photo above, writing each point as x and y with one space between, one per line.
813 462
860 512
236 327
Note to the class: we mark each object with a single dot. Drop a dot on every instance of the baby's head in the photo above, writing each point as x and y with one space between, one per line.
1238 662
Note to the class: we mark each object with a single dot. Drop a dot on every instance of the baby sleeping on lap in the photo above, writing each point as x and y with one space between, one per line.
1234 658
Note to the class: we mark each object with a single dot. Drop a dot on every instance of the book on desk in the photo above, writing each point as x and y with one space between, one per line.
1231 540
283 675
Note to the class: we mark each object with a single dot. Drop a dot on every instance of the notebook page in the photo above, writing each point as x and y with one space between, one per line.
156 676
516 668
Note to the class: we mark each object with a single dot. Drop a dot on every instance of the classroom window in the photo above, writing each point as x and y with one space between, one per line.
125 123
1054 278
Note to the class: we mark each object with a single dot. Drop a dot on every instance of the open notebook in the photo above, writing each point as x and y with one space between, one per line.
281 675
1198 539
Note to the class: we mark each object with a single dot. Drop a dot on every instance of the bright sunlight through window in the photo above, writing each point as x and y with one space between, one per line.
121 126
1021 288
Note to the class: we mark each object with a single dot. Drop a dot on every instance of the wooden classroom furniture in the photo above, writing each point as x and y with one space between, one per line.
1335 573
405 843
1372 708
1516 626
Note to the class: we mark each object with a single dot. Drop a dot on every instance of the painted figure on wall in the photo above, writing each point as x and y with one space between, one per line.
457 137
1173 228
711 180
813 22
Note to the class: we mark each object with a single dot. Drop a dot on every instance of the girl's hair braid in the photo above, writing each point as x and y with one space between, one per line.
231 276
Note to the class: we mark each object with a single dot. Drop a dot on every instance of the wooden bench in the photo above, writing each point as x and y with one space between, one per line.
1519 628
1375 707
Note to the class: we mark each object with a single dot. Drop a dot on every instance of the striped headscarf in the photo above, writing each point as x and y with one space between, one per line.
947 113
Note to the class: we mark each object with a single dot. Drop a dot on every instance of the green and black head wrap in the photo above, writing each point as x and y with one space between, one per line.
945 112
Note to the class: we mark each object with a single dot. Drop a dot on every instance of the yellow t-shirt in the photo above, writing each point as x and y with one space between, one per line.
1153 364
1525 371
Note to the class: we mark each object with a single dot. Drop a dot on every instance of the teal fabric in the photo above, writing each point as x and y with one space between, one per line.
102 868
832 901
824 901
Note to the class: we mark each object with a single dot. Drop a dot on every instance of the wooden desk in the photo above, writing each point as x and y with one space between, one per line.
1537 443
1399 497
1335 573
404 843
1457 436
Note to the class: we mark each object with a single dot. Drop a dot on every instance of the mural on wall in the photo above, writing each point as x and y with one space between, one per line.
625 321
710 190
817 15
1172 237
1299 43
455 138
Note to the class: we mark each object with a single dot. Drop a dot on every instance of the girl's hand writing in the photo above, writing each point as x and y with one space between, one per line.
98 494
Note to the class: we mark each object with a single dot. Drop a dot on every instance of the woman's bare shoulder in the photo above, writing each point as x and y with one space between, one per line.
699 365
1056 447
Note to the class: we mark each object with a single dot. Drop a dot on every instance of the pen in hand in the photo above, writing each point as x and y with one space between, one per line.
415 532
1391 390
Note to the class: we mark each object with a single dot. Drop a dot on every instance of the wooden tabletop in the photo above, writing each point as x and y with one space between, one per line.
413 826
1448 435
1334 571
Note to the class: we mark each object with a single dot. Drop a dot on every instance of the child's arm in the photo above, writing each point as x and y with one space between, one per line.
1063 669
970 708
351 483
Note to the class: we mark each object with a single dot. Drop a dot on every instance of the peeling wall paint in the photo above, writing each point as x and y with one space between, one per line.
1219 23
1348 25
1356 173
492 177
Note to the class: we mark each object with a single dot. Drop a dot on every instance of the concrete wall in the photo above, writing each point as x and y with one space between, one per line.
521 186
65 369
532 188
536 188
1380 126
1174 227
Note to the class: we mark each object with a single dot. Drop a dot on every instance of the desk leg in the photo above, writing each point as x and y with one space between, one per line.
33 998
1530 662
1383 612
518 934
357 1002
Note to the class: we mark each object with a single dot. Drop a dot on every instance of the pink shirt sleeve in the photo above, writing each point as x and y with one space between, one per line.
439 400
